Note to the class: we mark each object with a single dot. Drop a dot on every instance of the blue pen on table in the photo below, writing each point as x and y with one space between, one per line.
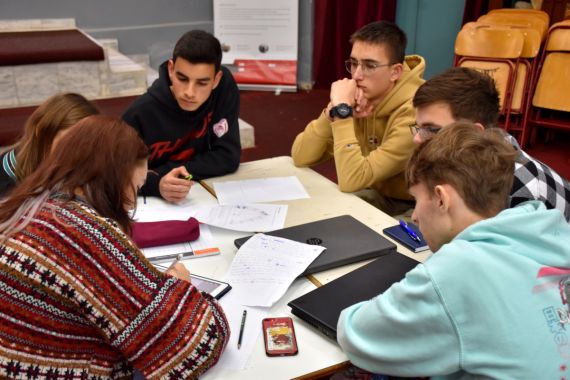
409 231
241 328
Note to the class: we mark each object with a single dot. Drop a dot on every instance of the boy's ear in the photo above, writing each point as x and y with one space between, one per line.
170 68
396 72
479 126
443 196
217 78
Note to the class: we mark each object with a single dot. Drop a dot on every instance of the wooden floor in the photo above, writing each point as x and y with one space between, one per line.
277 119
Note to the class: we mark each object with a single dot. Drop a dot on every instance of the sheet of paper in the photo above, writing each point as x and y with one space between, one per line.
203 246
247 218
265 266
155 210
233 358
259 190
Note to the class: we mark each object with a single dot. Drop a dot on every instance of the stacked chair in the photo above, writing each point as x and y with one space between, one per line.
506 44
551 99
495 51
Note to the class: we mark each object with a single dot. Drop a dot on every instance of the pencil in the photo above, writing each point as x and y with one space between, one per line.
241 328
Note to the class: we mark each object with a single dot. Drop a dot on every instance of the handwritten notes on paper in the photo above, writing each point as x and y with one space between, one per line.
259 190
246 218
265 266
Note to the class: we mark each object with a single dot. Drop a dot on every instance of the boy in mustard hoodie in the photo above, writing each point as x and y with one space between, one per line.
365 126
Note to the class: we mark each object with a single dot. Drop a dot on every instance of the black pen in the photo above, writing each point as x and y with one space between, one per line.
410 232
241 328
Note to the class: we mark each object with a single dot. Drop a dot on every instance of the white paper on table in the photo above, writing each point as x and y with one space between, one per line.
232 358
259 190
203 246
247 218
265 266
156 210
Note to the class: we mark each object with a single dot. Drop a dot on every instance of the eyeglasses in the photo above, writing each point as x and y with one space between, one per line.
425 131
367 67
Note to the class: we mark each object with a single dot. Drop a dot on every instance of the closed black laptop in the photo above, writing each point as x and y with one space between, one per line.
346 241
321 307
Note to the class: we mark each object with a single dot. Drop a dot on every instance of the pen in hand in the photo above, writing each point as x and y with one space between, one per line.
409 231
179 271
178 258
241 328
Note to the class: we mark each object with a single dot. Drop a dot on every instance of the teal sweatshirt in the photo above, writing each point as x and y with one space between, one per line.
489 304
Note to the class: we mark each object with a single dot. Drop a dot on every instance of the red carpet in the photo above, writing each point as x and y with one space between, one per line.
555 153
277 119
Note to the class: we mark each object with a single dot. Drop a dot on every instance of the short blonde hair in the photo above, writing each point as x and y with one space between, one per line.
478 164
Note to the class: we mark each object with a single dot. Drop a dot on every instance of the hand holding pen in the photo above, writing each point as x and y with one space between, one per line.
175 185
178 270
409 231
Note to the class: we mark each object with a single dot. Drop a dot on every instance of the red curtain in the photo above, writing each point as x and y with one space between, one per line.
473 9
335 21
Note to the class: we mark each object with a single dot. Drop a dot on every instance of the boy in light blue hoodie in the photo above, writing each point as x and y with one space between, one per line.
492 300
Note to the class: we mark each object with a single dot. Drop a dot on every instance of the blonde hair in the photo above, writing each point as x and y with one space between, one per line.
56 114
478 164
98 156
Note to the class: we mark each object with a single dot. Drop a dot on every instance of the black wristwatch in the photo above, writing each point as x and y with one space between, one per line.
341 110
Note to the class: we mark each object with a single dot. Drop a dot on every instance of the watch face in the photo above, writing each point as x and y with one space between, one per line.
341 110
344 110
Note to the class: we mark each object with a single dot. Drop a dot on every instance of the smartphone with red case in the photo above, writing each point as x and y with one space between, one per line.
279 336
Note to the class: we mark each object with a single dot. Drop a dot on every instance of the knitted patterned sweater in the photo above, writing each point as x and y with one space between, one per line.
78 300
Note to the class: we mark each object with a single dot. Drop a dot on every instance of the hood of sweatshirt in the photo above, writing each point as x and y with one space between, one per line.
529 229
405 88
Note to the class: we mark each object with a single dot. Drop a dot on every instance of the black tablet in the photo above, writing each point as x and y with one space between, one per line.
214 287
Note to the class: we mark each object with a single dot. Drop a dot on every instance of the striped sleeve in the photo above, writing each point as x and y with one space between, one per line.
163 326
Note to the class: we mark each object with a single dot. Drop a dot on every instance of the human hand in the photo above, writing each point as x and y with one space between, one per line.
363 107
178 270
343 91
173 187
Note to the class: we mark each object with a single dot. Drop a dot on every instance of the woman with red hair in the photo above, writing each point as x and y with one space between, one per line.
79 300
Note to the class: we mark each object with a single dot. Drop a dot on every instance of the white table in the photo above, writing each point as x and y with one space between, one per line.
326 201
316 351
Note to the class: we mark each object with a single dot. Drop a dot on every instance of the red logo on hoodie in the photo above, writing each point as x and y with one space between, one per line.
161 148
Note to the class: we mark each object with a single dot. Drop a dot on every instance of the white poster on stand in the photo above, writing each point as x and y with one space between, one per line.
259 41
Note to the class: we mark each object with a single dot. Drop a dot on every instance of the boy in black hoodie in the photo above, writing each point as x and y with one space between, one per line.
188 118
